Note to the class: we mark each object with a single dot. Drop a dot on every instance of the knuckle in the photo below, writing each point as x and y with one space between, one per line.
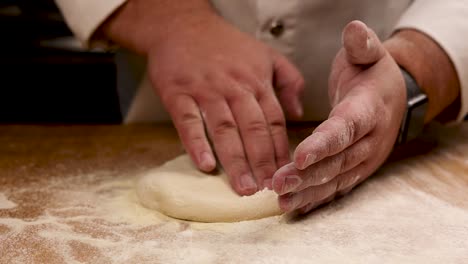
347 182
189 118
343 161
237 73
277 122
259 69
257 127
316 176
351 127
326 171
329 144
183 80
278 129
196 138
325 191
265 164
348 128
238 92
224 126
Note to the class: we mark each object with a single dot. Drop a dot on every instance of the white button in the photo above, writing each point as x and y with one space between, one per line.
277 28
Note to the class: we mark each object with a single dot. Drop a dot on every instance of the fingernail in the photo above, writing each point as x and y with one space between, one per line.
309 160
268 183
291 183
247 183
207 162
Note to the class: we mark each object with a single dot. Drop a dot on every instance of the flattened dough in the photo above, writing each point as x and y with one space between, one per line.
178 189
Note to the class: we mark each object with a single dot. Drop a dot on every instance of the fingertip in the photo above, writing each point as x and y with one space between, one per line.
279 180
290 83
289 202
361 43
207 163
277 183
354 30
299 89
295 109
284 201
298 109
246 185
355 38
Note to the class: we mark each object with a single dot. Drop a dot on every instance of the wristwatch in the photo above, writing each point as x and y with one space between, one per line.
413 120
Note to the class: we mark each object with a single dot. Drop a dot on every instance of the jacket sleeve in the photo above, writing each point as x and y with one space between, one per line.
446 22
83 17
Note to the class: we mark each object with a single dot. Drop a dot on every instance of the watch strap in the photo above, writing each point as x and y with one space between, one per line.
413 120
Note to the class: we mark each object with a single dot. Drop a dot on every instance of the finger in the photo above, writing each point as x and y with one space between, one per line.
350 120
277 125
292 201
361 44
348 180
289 85
311 206
189 124
317 195
224 133
256 137
289 179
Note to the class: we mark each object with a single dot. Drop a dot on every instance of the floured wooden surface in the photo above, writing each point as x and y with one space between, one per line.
66 195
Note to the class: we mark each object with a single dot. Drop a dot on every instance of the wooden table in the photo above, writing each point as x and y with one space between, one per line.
66 195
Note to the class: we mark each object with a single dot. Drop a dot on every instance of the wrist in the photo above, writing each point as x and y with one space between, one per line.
142 25
429 65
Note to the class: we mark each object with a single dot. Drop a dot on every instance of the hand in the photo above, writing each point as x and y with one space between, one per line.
368 96
213 76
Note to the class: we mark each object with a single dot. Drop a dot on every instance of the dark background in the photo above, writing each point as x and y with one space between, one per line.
44 79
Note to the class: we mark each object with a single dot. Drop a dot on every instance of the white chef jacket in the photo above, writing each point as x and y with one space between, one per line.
310 39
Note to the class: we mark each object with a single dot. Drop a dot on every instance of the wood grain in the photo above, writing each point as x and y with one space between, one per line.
44 170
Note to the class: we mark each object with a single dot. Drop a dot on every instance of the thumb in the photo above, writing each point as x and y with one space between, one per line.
289 86
361 44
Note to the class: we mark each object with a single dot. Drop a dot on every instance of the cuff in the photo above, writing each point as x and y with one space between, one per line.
445 22
84 17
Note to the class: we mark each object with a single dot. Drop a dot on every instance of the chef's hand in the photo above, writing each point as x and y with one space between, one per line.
368 96
212 76
222 79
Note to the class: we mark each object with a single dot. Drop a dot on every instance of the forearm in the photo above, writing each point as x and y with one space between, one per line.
432 69
140 24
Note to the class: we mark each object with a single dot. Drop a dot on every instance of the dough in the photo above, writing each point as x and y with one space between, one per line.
178 189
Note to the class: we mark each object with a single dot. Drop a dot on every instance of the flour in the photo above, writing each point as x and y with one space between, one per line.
384 221
5 203
412 212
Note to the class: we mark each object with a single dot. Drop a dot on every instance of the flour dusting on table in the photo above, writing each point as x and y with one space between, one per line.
5 203
405 214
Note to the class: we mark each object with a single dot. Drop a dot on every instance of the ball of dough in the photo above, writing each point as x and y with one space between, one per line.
178 189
